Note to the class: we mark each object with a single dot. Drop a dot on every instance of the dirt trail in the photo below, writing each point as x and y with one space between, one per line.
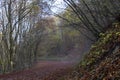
44 70
50 70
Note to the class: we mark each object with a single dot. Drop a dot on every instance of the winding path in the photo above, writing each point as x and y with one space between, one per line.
44 70
50 70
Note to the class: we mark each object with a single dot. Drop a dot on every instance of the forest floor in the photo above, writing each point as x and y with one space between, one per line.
49 69
46 69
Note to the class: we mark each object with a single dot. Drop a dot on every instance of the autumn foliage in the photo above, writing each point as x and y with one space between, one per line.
103 60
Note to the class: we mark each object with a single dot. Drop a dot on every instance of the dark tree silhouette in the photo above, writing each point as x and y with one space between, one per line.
95 15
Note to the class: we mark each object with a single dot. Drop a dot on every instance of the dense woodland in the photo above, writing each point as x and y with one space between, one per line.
31 32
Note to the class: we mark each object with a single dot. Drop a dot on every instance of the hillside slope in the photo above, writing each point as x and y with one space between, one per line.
103 60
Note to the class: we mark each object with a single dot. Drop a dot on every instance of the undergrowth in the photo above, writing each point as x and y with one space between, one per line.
103 60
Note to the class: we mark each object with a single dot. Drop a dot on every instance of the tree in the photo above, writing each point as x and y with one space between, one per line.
18 19
95 15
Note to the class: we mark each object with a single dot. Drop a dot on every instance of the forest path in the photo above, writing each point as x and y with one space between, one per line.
47 69
44 70
51 70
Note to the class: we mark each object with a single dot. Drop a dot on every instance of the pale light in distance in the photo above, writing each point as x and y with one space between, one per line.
58 6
